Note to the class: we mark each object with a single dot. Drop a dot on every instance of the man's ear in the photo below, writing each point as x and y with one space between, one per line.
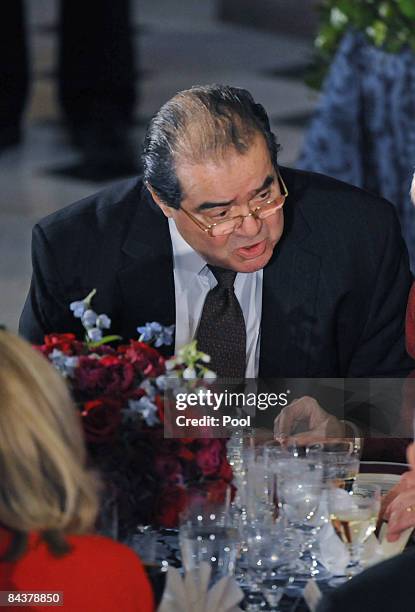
167 210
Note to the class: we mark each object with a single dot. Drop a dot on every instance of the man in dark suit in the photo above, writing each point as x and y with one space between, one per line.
322 273
387 586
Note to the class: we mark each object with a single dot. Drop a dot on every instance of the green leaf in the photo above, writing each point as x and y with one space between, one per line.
386 23
407 7
104 340
379 30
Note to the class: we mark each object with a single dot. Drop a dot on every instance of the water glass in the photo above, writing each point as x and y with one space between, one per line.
340 461
207 534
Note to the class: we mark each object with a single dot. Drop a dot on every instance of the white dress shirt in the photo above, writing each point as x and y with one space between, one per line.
192 282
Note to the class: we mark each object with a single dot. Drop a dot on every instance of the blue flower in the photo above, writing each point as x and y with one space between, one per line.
94 334
103 322
89 319
78 308
165 336
148 388
157 333
145 407
66 365
161 382
149 331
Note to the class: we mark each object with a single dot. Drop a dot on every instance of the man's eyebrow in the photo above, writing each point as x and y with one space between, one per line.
268 181
207 205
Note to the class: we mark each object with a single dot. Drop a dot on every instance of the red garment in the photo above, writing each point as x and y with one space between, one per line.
98 575
410 323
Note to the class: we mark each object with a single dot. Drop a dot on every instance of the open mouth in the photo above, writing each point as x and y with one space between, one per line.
255 250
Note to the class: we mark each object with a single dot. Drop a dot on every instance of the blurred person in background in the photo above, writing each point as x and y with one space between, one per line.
363 130
48 497
96 74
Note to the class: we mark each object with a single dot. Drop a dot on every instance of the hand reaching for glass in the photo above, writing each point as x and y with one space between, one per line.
399 504
305 422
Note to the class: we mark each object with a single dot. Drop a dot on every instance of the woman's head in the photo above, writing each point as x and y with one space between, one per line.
44 483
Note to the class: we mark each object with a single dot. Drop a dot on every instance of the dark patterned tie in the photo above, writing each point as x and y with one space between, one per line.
221 332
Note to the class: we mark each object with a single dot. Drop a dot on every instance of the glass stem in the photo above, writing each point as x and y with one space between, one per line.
354 566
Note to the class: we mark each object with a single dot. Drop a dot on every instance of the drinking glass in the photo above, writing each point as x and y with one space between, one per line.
265 552
354 516
207 533
340 462
255 485
145 542
300 486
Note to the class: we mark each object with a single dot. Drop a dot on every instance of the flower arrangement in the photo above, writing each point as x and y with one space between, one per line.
387 24
119 390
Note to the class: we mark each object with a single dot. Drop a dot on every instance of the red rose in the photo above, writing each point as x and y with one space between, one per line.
185 453
101 419
145 359
168 467
209 457
108 376
172 502
67 343
109 360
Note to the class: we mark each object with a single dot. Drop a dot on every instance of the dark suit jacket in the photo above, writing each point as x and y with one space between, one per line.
334 292
382 588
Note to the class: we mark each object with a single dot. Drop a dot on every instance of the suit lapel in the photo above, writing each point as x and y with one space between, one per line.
289 300
146 275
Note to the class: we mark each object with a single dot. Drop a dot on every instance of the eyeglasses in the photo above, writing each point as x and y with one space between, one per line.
262 211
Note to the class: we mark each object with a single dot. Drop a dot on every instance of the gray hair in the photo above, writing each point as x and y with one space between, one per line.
198 124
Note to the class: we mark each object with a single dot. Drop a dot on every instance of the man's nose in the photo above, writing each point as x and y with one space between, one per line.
250 226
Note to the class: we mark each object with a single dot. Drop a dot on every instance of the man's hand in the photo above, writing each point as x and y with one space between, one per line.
399 503
312 423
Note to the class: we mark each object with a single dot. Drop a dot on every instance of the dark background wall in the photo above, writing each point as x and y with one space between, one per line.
292 16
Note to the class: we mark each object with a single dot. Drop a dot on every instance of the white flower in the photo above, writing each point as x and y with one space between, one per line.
338 18
209 375
189 373
170 364
205 358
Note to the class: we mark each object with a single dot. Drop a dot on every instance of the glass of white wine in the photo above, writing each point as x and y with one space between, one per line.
354 516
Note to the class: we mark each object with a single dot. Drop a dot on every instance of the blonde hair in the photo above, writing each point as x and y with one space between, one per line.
44 482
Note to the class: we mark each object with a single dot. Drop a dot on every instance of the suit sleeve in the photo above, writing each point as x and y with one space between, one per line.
43 302
381 349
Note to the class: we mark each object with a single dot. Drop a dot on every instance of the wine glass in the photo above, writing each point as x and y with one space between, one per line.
354 516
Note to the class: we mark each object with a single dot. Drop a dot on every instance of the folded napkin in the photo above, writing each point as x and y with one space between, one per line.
334 555
192 593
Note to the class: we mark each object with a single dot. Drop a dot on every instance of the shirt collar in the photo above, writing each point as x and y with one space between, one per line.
187 262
